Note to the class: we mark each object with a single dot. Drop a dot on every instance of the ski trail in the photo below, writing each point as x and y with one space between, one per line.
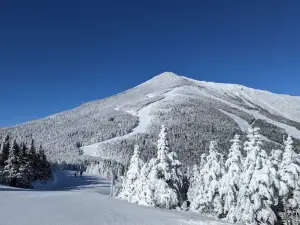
289 129
244 125
144 122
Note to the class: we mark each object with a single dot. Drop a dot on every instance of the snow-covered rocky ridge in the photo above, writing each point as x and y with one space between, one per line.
195 112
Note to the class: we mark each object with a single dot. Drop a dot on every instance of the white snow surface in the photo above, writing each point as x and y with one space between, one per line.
83 201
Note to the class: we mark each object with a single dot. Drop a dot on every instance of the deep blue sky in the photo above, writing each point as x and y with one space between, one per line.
55 55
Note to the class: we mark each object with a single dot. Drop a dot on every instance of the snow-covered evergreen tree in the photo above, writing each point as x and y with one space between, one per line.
193 182
194 178
230 182
133 173
23 176
276 157
160 182
6 148
143 193
12 164
258 192
207 198
289 171
23 166
165 177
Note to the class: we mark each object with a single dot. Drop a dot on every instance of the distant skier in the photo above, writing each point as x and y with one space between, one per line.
75 174
81 172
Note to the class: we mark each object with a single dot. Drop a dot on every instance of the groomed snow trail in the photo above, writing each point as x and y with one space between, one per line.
83 201
289 129
144 122
243 124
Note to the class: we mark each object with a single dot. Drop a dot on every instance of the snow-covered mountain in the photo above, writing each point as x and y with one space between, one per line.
194 111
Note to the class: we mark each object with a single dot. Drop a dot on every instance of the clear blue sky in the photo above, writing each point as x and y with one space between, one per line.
55 55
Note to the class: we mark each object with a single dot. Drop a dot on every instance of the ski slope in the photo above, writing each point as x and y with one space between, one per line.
83 201
289 129
144 121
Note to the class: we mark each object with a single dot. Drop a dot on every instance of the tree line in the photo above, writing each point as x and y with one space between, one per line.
21 165
248 186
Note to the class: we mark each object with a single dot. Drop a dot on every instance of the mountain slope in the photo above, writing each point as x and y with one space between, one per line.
194 111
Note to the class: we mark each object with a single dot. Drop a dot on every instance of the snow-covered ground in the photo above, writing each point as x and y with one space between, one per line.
83 201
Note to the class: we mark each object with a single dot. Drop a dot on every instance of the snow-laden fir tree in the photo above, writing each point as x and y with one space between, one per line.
132 175
276 157
194 177
289 171
12 164
193 181
230 182
161 178
6 148
202 161
207 198
23 176
143 193
258 192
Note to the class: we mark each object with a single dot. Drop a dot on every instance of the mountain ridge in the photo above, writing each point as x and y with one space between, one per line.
195 112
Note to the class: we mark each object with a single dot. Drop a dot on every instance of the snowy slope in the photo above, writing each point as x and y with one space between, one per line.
83 201
195 112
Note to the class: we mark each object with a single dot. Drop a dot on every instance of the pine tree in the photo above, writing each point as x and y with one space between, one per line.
165 176
194 178
193 181
6 148
289 171
143 193
12 164
229 184
208 199
33 161
23 166
259 183
161 177
23 175
132 176
44 167
276 157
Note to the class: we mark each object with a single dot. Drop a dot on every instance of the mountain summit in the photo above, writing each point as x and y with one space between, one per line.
195 113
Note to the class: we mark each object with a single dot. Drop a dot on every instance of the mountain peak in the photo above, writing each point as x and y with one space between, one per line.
167 74
164 80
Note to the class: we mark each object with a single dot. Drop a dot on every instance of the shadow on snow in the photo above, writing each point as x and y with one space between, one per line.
65 180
